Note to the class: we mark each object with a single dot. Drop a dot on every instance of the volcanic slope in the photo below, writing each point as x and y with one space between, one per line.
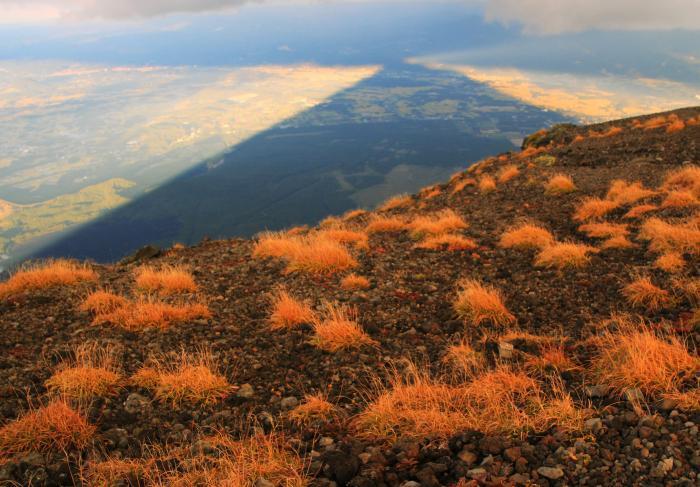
533 321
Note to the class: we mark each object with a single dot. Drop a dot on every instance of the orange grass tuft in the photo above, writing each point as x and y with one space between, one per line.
147 312
380 224
642 293
337 329
487 184
289 312
353 281
550 357
91 373
564 254
345 236
190 379
685 179
353 214
592 208
604 230
668 237
45 275
398 201
507 173
447 241
102 301
670 262
436 224
460 185
636 357
624 193
478 303
309 253
55 427
607 133
315 407
639 210
465 359
560 184
652 123
166 280
526 235
619 242
680 199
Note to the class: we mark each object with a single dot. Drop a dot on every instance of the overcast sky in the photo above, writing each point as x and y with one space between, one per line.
539 17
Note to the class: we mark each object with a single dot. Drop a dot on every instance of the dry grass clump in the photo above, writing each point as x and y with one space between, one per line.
447 241
464 359
636 357
670 262
564 254
398 201
55 427
166 280
115 471
460 185
315 407
337 329
680 199
619 242
642 293
478 303
148 312
591 208
436 224
690 288
607 133
685 401
91 373
507 173
669 237
527 235
289 312
550 357
685 179
651 123
560 184
353 214
353 281
345 236
102 302
45 275
604 230
191 378
315 254
487 184
624 193
430 192
383 224
639 210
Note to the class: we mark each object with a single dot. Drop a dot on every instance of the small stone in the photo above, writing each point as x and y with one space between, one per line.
513 453
594 424
551 473
519 479
410 483
505 350
467 457
364 457
289 403
326 441
491 444
246 391
136 404
597 391
476 472
261 482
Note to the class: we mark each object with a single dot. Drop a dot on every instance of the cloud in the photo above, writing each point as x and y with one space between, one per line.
547 17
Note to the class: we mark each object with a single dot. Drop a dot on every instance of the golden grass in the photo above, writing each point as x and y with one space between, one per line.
690 288
398 201
289 312
550 357
337 329
448 242
624 193
560 184
353 214
669 237
591 208
507 173
460 185
685 179
462 358
607 133
115 471
526 235
166 280
639 210
55 427
636 357
642 293
430 192
619 242
487 184
675 125
353 281
604 230
45 275
345 236
671 262
308 253
651 123
382 224
564 254
315 407
103 301
435 224
330 221
478 303
148 312
92 372
191 378
686 401
680 199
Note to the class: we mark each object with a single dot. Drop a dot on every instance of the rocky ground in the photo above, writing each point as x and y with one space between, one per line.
408 311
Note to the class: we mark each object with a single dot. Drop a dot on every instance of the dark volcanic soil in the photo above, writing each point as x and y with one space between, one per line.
408 310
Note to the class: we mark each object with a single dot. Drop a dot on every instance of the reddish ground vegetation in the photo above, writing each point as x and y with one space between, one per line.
527 235
560 184
477 303
45 275
91 372
165 280
289 312
337 329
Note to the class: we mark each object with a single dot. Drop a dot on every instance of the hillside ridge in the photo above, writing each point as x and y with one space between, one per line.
534 320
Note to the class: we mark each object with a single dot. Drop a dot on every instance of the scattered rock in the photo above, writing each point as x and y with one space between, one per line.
246 391
551 473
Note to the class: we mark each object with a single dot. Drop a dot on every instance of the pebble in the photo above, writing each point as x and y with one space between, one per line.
551 473
246 391
289 403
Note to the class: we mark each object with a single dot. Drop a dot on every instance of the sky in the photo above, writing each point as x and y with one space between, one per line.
535 17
